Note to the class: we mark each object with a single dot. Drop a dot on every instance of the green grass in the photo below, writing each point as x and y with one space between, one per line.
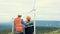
39 30
5 31
47 30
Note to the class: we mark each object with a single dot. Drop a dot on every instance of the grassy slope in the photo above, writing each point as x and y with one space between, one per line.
47 30
39 30
5 31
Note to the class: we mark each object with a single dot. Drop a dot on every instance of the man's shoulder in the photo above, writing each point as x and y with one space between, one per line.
32 21
15 18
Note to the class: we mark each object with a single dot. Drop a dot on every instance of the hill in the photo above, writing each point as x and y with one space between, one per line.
47 30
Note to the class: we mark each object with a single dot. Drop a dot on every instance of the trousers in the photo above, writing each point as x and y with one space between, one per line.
29 30
19 33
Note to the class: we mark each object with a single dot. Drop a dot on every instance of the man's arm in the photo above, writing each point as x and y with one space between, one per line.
29 23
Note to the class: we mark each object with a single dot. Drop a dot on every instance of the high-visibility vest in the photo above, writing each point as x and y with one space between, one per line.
18 25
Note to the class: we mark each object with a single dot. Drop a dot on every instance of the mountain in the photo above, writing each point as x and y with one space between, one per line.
38 23
48 23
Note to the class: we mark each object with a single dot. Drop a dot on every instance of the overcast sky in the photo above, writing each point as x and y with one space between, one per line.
45 9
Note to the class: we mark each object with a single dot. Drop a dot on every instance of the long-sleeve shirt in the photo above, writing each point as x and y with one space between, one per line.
28 24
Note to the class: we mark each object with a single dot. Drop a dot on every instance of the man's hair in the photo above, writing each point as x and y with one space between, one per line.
19 15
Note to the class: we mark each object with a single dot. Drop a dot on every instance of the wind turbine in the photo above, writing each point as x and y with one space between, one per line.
33 10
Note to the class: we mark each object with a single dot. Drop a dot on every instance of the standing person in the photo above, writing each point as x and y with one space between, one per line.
29 29
18 25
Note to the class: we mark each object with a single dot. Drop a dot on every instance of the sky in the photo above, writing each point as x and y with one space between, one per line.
45 9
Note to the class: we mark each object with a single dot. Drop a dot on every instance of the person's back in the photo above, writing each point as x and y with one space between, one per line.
28 24
17 21
29 28
18 25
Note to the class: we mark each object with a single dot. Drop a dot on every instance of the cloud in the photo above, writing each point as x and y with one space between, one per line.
48 10
45 9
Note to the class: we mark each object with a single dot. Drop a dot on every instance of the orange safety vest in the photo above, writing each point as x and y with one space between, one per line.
18 25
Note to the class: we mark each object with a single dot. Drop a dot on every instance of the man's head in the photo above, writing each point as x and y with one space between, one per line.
19 15
28 18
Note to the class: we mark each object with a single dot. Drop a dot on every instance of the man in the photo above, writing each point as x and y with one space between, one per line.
29 29
18 25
